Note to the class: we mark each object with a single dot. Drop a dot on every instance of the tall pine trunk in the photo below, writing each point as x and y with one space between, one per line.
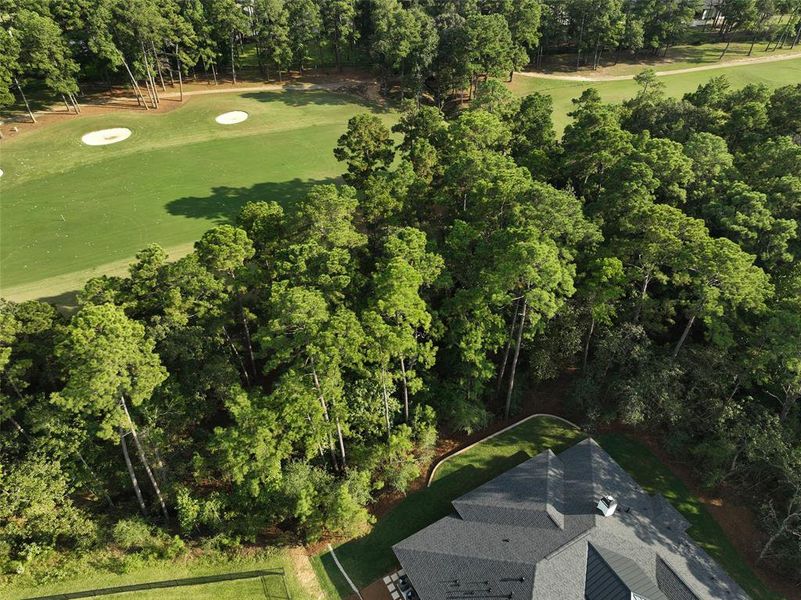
727 36
151 81
683 337
233 61
386 400
323 403
157 65
790 398
131 473
587 345
25 100
580 40
143 459
643 291
508 349
341 442
405 390
74 101
180 76
246 330
137 92
238 356
508 407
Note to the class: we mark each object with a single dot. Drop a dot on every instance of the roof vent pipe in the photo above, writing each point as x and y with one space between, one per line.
607 505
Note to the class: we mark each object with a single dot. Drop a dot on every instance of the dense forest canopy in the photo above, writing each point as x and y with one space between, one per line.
300 362
431 47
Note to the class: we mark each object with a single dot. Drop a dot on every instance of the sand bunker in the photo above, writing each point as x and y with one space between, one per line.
106 136
1 172
231 118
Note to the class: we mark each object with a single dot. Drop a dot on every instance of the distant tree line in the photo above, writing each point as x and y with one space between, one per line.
301 360
431 47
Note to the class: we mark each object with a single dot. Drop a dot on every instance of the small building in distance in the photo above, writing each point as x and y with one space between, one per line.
573 526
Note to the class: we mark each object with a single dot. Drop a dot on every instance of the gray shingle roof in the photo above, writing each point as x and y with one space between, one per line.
672 583
529 532
529 495
611 575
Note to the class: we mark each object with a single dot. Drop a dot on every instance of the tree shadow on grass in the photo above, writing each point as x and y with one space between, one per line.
224 203
305 97
170 583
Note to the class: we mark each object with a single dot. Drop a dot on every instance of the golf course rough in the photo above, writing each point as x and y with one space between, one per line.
104 137
232 118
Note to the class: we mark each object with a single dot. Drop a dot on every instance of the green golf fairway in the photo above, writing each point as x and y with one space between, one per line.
772 74
68 211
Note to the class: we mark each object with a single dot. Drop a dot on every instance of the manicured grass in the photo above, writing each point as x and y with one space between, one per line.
775 74
656 478
250 589
66 207
166 570
367 558
329 576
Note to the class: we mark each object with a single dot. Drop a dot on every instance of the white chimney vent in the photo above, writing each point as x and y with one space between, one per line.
607 505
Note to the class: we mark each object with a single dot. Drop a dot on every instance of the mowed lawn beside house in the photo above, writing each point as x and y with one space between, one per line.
367 558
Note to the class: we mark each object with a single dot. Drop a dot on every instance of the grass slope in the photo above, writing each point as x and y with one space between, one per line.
775 74
367 558
66 207
167 570
328 574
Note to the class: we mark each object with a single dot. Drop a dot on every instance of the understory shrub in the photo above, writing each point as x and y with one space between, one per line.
138 537
37 514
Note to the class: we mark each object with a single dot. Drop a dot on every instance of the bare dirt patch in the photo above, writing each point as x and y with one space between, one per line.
305 574
376 591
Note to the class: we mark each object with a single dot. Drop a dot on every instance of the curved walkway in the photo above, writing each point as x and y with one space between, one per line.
724 65
489 437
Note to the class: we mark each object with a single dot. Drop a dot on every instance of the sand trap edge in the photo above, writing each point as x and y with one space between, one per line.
104 137
232 118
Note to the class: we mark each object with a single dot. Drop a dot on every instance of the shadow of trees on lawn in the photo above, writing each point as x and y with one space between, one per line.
170 583
295 97
223 204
